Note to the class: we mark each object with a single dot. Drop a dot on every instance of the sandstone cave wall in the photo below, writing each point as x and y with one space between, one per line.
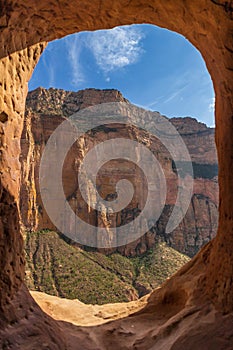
24 27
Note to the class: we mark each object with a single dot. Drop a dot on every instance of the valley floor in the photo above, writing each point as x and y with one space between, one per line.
58 268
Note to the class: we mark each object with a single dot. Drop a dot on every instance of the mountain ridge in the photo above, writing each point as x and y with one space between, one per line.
46 109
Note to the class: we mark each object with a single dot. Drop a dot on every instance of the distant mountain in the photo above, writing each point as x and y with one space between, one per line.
46 109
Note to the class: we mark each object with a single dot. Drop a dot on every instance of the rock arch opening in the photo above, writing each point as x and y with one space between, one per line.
196 286
47 270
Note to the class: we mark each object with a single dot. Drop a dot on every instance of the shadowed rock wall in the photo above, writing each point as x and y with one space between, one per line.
207 279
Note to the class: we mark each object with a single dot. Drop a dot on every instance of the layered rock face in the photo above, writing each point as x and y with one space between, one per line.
193 309
46 109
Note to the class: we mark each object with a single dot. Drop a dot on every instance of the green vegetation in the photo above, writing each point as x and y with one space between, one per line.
55 267
200 171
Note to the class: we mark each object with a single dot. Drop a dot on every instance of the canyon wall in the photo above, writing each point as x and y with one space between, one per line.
46 109
193 309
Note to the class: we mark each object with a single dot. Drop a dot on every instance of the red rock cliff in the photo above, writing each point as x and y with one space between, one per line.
46 109
193 309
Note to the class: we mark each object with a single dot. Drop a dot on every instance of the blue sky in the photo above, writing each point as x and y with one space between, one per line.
152 67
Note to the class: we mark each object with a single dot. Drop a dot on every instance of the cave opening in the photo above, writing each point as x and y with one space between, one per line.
98 70
195 305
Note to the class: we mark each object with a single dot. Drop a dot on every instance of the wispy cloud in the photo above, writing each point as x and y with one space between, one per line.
74 45
155 102
49 68
212 104
115 48
175 94
175 91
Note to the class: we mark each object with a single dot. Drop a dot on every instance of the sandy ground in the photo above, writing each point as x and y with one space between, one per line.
80 314
167 320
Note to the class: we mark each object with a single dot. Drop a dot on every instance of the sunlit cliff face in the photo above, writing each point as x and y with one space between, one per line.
197 286
47 109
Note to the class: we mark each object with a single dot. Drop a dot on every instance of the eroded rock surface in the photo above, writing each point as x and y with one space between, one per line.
46 109
203 284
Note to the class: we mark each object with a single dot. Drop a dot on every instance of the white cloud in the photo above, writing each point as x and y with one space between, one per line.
212 105
74 45
49 67
175 94
115 48
173 87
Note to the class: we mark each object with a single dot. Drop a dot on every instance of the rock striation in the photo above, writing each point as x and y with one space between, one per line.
46 109
194 308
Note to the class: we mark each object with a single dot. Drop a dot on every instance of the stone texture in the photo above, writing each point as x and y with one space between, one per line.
204 283
46 109
13 91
